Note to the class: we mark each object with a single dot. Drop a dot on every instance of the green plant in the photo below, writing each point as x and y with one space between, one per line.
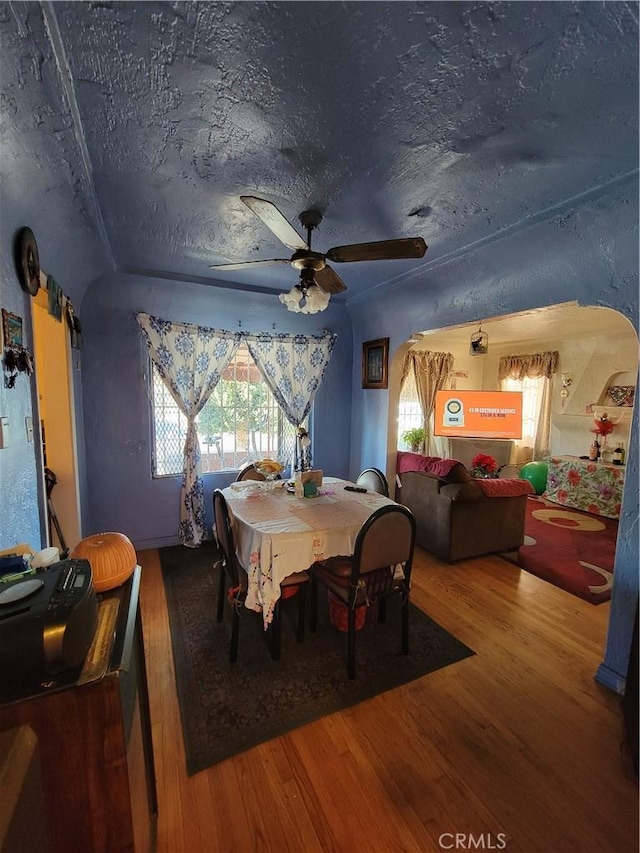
414 438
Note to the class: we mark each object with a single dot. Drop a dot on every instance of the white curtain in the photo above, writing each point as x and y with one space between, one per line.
191 360
537 365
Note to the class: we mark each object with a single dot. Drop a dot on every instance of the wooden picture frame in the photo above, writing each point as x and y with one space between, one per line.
11 330
375 363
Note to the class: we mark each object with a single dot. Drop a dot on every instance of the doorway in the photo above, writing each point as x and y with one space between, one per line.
597 349
56 413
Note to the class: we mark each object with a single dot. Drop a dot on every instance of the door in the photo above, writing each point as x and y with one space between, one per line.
53 366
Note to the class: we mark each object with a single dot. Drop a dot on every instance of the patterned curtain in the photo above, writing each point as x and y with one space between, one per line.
535 365
293 367
431 370
191 359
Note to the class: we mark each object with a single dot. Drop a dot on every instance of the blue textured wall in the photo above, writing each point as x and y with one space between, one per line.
19 519
586 252
20 463
42 185
122 494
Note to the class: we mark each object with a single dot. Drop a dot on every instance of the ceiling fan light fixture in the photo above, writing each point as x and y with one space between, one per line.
315 300
292 299
305 300
317 279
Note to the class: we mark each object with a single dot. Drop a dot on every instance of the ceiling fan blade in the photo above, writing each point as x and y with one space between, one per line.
243 264
329 280
275 221
382 250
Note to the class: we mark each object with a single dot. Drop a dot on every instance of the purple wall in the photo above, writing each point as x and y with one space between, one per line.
122 493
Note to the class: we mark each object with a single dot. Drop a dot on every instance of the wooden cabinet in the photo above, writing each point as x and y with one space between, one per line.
94 747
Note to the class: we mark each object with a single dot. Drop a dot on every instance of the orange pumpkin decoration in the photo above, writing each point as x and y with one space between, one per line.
112 557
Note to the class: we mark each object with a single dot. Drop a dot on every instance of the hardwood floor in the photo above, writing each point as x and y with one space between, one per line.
517 747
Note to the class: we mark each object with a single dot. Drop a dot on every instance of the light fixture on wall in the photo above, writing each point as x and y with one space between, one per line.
305 297
479 342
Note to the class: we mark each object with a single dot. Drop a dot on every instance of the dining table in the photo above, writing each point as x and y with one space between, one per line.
278 533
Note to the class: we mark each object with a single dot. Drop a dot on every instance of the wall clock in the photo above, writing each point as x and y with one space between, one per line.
28 261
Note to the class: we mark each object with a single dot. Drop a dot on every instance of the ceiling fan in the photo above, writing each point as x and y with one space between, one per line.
317 279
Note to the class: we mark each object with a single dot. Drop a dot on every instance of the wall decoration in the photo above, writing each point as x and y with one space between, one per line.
375 360
27 261
55 298
567 382
73 323
479 343
621 395
11 329
15 357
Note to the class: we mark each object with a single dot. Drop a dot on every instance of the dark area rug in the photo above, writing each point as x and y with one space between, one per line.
228 708
571 549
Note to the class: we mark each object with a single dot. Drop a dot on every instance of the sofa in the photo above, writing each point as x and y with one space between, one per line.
457 516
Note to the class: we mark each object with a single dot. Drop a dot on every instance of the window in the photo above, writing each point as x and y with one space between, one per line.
532 392
240 422
409 411
169 430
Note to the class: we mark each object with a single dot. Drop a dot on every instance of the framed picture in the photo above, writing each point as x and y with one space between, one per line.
11 330
375 359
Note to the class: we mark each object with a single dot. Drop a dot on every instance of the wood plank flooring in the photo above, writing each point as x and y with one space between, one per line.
517 748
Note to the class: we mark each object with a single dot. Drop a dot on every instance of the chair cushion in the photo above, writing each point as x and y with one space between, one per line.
340 566
335 574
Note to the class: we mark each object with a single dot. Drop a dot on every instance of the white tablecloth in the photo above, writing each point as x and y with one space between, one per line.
278 534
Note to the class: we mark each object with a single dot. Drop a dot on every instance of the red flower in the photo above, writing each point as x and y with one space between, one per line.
484 462
483 465
573 477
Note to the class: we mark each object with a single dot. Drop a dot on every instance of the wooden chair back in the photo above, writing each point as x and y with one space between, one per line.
374 480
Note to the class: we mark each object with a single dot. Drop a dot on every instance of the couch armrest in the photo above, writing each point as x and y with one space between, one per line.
421 480
463 492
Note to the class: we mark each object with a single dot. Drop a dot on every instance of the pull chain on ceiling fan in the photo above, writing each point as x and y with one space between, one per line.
317 279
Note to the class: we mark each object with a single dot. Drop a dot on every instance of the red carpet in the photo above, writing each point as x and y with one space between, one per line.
571 549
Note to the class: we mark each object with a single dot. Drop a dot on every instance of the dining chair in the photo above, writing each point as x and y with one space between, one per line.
380 567
233 571
248 472
375 480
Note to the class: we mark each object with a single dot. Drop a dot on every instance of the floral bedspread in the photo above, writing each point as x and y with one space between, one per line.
594 487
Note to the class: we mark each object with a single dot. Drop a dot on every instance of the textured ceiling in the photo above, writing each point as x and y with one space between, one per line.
453 121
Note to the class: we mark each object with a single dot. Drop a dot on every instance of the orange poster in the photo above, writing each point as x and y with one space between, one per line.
478 414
